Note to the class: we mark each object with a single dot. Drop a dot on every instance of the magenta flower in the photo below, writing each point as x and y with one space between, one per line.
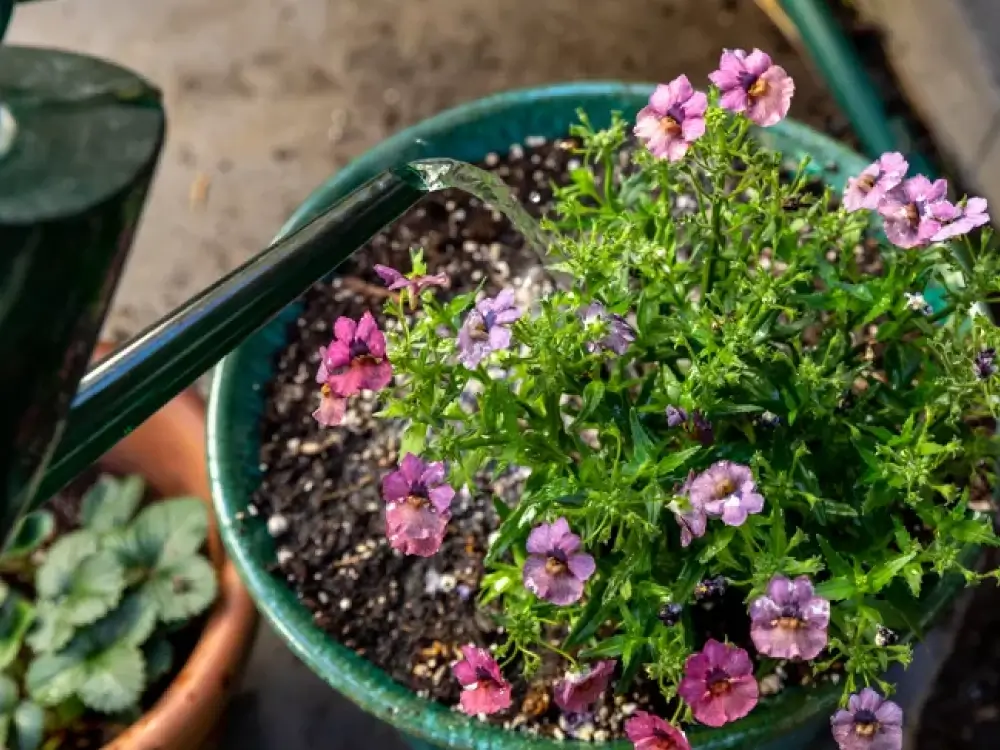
418 506
331 408
485 691
355 360
790 621
578 691
617 333
555 569
964 219
718 684
394 280
914 211
869 188
753 84
673 119
869 723
648 732
487 328
726 490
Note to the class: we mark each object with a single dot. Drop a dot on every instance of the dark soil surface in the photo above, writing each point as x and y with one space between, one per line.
321 495
94 730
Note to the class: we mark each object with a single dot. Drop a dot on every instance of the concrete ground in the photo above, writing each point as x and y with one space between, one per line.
269 97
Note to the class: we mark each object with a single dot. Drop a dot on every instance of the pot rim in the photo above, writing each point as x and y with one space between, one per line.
351 675
192 704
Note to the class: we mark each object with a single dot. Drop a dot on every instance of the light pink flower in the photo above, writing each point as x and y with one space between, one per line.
751 83
485 690
869 188
556 569
418 506
394 281
673 119
869 723
331 408
648 732
578 691
915 211
790 621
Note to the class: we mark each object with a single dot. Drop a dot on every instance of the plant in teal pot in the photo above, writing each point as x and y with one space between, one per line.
693 479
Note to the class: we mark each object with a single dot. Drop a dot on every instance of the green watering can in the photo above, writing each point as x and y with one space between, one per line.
81 138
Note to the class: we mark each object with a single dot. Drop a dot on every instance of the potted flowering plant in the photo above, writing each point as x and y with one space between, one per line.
751 449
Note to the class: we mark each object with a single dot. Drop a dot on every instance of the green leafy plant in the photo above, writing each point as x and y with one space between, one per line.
742 398
85 622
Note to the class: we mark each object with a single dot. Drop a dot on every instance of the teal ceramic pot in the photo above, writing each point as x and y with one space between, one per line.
788 722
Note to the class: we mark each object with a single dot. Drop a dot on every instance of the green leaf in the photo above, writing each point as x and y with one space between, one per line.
111 502
52 678
166 532
881 575
29 726
675 460
55 577
594 613
720 540
642 445
131 623
159 656
52 631
8 695
182 589
414 440
16 617
914 575
837 565
114 679
836 589
33 531
593 395
87 592
610 648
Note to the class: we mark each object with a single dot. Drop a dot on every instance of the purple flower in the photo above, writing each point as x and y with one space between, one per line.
965 218
984 365
578 691
869 723
617 333
394 280
418 506
487 328
555 569
676 416
702 428
913 211
355 359
331 408
718 684
692 517
673 119
648 732
869 188
485 691
751 83
726 490
790 622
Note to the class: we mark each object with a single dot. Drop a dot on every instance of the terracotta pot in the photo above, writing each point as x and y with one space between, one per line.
168 450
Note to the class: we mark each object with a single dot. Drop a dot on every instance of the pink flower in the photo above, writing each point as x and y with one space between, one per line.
869 188
578 691
487 328
869 723
355 359
485 689
790 622
418 506
394 280
692 518
331 408
718 684
753 84
555 569
648 732
673 119
963 220
914 212
728 491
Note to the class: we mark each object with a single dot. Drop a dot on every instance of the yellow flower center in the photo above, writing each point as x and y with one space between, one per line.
670 126
758 89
